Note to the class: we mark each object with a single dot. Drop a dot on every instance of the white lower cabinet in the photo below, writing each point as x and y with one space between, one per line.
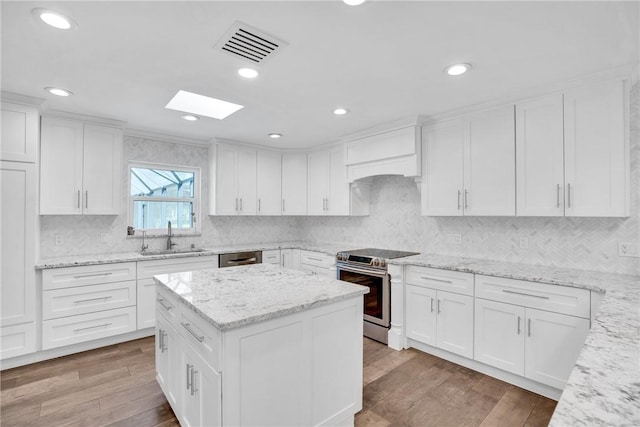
146 287
167 356
201 390
290 258
439 318
318 263
271 257
538 344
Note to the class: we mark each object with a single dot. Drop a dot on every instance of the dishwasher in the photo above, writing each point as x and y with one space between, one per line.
239 258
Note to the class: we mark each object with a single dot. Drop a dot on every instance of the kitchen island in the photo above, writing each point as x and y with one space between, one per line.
283 347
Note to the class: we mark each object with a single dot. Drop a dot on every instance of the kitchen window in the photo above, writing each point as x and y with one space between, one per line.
162 193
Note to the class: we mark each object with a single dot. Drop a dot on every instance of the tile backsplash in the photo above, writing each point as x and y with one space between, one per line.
395 222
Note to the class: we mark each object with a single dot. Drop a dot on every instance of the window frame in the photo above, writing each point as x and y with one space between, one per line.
196 198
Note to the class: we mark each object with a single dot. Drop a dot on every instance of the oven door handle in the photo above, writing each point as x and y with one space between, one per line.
363 271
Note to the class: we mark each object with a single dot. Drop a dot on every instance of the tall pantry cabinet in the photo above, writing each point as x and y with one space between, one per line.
18 224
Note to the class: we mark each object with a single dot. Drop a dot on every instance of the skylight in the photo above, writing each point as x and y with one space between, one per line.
201 105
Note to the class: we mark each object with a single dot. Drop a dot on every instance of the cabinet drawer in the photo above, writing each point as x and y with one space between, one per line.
271 257
559 299
58 278
87 327
317 259
167 305
446 280
87 299
148 269
322 271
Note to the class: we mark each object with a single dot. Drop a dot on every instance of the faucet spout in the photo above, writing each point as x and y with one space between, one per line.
170 244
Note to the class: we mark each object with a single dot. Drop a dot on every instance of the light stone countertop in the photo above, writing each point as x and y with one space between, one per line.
604 386
236 296
109 258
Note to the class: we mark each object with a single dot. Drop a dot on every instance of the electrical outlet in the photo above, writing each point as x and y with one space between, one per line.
454 239
524 243
104 237
628 249
59 240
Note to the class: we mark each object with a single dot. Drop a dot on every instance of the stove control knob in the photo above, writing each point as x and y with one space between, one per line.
375 262
383 263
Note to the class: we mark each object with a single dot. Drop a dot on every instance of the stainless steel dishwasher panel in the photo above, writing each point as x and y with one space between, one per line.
239 258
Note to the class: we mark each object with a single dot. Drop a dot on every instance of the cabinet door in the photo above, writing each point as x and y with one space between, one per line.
442 184
338 202
18 229
540 157
596 151
499 335
489 172
146 307
61 167
20 130
421 315
167 358
455 323
102 170
269 183
317 188
290 258
552 346
294 184
247 181
201 391
224 200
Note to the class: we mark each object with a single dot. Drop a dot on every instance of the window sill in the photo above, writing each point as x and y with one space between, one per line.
164 236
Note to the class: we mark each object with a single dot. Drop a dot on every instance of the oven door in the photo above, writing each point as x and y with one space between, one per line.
377 303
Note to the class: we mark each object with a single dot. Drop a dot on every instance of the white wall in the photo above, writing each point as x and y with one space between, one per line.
395 222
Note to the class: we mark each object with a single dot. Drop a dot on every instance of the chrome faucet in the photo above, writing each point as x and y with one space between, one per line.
170 244
143 247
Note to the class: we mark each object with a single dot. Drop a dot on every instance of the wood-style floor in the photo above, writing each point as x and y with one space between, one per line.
115 386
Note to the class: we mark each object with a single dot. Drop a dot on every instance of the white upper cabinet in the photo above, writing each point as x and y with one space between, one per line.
469 165
269 183
20 129
233 186
572 153
443 178
596 151
328 191
81 168
294 184
540 157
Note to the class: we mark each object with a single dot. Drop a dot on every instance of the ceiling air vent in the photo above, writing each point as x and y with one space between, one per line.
249 44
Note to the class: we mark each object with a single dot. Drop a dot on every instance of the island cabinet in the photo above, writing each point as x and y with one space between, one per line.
221 360
439 309
534 330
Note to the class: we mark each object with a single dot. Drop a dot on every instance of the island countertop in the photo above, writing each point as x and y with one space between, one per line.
237 296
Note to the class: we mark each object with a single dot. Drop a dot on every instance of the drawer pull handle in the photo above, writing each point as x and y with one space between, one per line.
315 259
432 305
519 325
187 326
165 306
436 280
522 293
80 276
92 327
529 327
92 299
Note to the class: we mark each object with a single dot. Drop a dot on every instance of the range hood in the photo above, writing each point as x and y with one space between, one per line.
392 152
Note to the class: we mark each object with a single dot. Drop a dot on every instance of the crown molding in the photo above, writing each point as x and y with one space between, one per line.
22 99
156 136
84 118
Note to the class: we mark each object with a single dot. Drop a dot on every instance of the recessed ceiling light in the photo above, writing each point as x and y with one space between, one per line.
340 111
248 73
58 91
201 105
275 135
354 2
54 19
457 69
190 117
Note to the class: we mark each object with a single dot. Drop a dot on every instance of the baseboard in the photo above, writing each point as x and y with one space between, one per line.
517 380
40 356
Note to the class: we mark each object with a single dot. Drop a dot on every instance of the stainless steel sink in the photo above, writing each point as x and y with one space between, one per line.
171 251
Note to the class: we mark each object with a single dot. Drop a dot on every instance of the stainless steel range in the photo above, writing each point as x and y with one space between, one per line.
368 267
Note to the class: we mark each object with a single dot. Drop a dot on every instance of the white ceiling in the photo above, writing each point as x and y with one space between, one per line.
383 60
